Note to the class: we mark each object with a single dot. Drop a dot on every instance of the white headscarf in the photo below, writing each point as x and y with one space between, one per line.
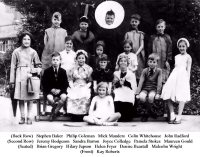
183 39
81 51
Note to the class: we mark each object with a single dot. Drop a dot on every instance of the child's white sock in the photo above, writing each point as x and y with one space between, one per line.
172 116
178 117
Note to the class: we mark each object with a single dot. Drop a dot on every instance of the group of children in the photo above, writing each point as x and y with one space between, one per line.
91 85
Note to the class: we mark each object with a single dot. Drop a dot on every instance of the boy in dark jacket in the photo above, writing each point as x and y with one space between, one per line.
55 85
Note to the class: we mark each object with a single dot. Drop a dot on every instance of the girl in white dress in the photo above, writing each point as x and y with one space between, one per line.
102 111
177 87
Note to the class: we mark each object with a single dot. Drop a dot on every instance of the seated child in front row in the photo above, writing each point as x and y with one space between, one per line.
102 73
102 111
150 85
55 85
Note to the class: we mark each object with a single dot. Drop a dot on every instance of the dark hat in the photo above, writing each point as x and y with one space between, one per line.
136 16
84 19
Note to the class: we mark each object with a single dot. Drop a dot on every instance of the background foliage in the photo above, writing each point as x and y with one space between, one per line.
182 17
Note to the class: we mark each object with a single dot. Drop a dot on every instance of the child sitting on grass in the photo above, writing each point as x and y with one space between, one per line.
102 110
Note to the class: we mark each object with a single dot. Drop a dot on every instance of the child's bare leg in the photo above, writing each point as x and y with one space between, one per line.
29 108
51 102
61 102
151 98
44 108
114 117
89 119
50 99
180 110
143 97
171 110
21 108
143 100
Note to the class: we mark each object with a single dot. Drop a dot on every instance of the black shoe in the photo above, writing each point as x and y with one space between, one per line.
22 120
52 117
144 118
154 116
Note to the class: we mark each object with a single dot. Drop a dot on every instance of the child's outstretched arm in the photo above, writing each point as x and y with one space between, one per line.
142 79
134 64
109 87
141 44
117 66
45 38
111 104
189 64
95 86
169 49
159 82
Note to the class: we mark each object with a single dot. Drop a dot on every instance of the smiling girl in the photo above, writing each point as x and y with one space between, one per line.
25 63
102 111
177 87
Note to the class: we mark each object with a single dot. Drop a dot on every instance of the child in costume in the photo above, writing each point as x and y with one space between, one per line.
54 40
161 44
137 38
83 38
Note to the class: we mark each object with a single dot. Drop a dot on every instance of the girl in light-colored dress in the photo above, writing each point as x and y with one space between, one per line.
177 87
132 57
102 111
24 63
79 92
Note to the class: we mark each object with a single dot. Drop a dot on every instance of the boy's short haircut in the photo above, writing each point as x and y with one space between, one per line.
55 54
68 38
57 15
110 12
136 16
153 57
160 21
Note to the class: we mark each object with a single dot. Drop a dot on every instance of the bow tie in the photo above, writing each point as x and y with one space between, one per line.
160 35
